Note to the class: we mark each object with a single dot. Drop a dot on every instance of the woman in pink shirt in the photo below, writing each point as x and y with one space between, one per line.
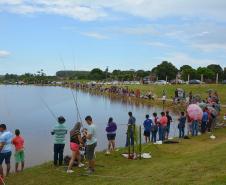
162 128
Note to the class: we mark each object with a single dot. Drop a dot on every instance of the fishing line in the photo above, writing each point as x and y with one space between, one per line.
74 99
76 91
48 108
76 104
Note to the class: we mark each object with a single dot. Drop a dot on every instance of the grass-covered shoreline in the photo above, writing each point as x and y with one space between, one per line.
170 89
199 160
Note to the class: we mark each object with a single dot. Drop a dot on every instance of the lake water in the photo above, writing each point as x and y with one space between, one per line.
23 107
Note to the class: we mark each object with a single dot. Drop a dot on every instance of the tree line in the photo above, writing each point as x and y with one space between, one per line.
162 71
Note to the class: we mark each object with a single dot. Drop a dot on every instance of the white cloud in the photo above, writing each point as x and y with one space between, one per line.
147 29
95 35
96 9
73 9
11 2
157 9
210 47
157 44
4 53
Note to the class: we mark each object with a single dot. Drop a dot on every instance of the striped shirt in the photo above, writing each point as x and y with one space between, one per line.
59 133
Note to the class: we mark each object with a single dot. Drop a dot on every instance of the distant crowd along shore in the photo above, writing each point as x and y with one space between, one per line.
201 117
180 96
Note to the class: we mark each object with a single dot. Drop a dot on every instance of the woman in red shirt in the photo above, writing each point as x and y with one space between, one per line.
18 142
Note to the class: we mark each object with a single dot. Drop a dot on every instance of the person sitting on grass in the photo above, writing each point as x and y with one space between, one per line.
181 125
111 134
75 142
5 149
59 132
147 128
18 142
91 144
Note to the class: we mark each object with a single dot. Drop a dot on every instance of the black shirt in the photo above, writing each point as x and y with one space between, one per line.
169 119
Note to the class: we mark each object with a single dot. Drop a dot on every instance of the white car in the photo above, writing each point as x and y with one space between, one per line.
161 82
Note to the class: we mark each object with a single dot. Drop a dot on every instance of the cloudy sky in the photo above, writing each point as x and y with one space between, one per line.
121 34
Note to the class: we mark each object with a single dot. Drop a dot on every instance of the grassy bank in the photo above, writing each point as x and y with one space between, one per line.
196 89
201 90
198 161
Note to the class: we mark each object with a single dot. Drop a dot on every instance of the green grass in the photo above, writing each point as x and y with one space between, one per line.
198 161
200 90
196 89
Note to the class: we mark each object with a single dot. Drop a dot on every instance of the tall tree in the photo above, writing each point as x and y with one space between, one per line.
224 75
208 74
188 70
216 69
97 74
165 69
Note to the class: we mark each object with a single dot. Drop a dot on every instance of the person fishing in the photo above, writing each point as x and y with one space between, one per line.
162 128
169 121
147 128
75 141
111 134
154 128
195 127
205 119
130 130
5 149
181 125
59 132
91 144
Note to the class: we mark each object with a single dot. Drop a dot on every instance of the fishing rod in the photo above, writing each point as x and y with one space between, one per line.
74 99
76 104
76 91
48 108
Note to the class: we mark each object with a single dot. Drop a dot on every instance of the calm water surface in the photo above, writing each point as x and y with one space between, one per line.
23 107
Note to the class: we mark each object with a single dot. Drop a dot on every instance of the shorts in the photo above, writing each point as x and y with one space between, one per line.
19 156
6 157
147 133
90 149
74 147
111 136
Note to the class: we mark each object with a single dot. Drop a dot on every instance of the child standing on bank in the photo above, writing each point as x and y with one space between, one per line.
18 142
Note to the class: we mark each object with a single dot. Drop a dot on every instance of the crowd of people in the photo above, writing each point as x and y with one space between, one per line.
79 138
83 139
116 90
